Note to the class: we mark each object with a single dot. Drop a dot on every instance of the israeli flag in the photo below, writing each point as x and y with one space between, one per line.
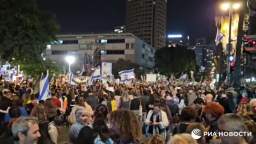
44 88
96 75
219 37
127 75
106 69
183 77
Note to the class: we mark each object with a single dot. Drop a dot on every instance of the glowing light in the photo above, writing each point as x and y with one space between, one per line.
236 6
225 6
48 47
70 59
174 36
231 58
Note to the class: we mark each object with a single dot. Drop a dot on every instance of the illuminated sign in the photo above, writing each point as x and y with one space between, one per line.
174 36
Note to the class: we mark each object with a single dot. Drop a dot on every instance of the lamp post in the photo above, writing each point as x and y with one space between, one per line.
70 60
230 7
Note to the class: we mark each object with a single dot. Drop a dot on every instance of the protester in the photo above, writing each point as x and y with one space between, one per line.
212 112
83 118
156 139
102 131
86 136
101 112
26 130
94 112
80 102
182 139
125 127
156 121
5 103
233 123
188 116
199 126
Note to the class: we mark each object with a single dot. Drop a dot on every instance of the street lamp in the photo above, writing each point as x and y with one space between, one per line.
70 60
225 6
230 7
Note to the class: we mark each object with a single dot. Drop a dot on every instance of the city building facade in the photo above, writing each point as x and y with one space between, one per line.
147 20
91 49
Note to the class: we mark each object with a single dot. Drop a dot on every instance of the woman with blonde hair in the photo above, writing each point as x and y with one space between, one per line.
156 139
80 103
199 126
183 138
125 126
83 118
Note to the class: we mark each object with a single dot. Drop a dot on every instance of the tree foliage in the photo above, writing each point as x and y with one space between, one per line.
175 60
25 31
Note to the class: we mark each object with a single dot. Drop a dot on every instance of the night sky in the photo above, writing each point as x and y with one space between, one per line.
188 17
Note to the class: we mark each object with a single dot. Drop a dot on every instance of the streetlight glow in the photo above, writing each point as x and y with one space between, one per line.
70 59
225 6
236 6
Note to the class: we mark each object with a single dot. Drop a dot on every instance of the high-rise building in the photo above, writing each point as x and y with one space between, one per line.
147 20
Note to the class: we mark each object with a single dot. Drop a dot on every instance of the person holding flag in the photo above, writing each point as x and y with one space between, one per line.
44 87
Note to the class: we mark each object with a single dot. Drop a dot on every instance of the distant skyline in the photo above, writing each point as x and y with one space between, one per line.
194 18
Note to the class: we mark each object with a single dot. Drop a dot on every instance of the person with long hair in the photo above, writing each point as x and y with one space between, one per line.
125 127
183 138
102 131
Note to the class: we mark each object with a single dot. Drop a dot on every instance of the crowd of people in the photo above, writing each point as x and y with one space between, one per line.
162 112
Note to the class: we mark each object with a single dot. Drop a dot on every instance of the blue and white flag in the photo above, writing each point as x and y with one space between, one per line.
183 77
96 75
219 37
44 88
127 75
106 69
